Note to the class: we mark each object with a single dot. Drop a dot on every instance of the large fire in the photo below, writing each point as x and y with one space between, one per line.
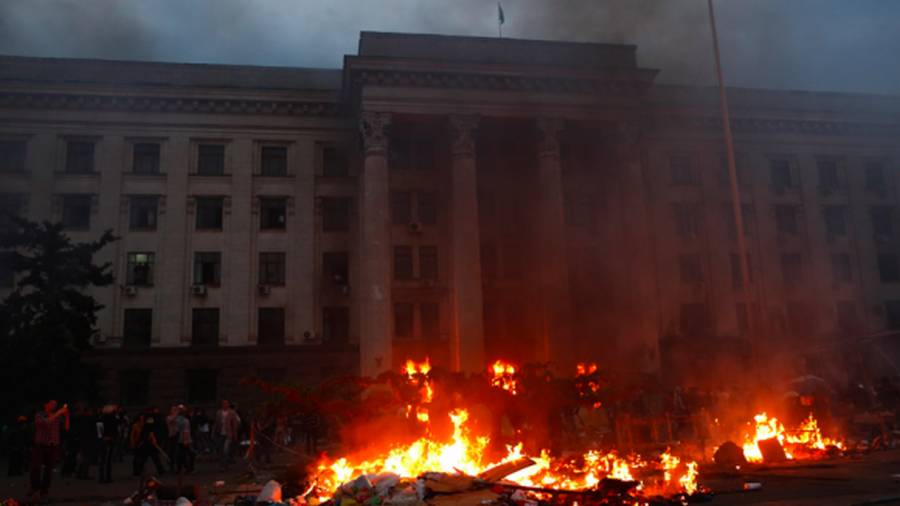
468 454
806 441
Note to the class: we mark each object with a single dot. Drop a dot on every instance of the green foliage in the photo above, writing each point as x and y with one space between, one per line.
49 318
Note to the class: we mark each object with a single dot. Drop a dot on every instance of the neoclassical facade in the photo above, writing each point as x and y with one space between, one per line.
460 198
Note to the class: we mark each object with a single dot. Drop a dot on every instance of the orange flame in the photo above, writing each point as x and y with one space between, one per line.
805 441
504 376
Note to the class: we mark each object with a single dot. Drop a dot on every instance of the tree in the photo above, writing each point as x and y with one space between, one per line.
49 319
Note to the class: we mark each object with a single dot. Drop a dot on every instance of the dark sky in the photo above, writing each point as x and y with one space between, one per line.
842 45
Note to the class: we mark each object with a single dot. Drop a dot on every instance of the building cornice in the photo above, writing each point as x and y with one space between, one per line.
757 125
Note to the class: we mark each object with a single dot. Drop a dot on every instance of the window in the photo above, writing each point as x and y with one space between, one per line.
139 269
205 326
272 213
888 268
831 176
401 208
792 268
403 262
209 213
694 320
137 328
270 326
786 220
7 273
79 157
489 261
430 314
892 314
687 220
847 319
427 208
335 324
882 222
134 387
742 173
211 160
335 214
689 266
736 277
682 171
841 271
10 205
336 268
334 162
876 182
76 211
428 262
12 156
273 161
782 175
271 268
202 386
835 221
207 268
142 212
411 154
746 215
403 320
146 158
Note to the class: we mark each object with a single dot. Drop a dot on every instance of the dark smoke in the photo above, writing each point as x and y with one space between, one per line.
837 45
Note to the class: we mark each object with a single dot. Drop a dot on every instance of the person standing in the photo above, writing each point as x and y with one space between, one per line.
148 444
46 446
184 453
108 432
226 429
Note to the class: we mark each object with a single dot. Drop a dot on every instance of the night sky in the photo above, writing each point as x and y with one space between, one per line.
841 45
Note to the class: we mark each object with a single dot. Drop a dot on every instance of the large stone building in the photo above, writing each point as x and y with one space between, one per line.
462 198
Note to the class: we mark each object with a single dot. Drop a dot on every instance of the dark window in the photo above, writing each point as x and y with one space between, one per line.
146 158
335 324
690 268
888 268
428 262
876 181
137 328
695 320
792 268
79 157
786 220
7 273
76 212
742 173
271 268
892 314
401 208
687 220
488 261
427 208
12 156
140 269
134 388
270 326
848 320
272 213
782 175
835 220
841 271
209 213
202 386
736 276
430 313
410 154
211 160
403 262
142 212
334 162
10 205
207 268
682 171
403 320
747 216
205 326
336 268
882 222
831 176
273 161
335 214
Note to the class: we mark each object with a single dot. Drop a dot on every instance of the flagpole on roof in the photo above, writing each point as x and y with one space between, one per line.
500 20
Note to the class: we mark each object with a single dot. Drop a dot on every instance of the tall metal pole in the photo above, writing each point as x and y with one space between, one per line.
733 180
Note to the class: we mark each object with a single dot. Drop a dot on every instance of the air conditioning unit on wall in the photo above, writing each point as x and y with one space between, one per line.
198 290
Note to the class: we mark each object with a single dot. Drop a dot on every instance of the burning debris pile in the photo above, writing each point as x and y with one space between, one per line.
803 442
464 467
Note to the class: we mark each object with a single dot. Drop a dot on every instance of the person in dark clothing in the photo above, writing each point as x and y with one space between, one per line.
86 434
18 444
108 432
148 443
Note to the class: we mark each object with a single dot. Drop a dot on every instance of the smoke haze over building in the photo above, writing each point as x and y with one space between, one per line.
802 44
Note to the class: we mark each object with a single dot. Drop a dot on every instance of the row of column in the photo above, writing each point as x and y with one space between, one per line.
466 299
